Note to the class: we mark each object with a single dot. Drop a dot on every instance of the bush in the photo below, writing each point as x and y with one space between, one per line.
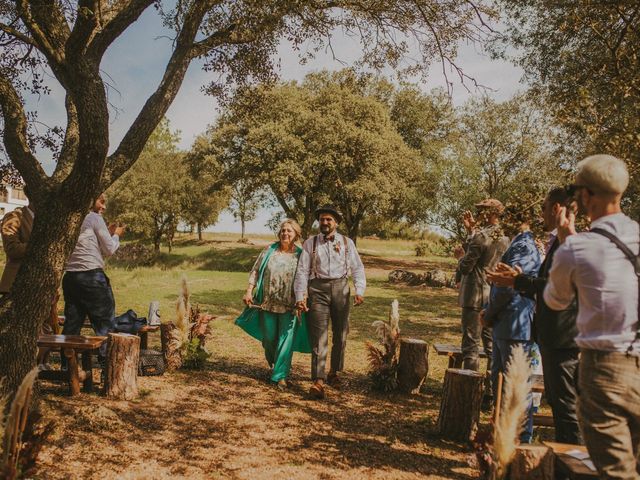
438 247
134 255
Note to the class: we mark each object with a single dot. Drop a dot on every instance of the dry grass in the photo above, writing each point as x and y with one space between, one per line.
228 422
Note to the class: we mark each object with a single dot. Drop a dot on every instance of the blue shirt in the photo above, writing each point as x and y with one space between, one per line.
510 311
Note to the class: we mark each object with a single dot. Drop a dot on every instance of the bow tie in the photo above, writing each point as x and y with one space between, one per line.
329 238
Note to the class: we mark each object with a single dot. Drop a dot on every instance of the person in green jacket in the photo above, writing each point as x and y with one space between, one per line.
270 313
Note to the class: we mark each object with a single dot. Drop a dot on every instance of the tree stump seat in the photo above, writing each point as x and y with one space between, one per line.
69 347
454 352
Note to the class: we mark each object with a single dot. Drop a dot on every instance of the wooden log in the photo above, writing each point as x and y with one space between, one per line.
171 351
123 352
532 462
413 364
460 404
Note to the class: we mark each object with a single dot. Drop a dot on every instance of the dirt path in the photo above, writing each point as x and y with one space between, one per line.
229 422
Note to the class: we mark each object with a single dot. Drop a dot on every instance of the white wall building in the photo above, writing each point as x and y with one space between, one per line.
11 198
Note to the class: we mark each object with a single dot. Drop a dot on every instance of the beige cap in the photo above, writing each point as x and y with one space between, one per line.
603 174
491 203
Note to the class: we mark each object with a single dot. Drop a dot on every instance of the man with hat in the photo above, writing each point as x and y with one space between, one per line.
326 261
600 268
486 244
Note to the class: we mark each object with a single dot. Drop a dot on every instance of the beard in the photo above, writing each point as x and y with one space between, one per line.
324 228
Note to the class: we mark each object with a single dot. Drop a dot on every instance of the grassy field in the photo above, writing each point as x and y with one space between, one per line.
227 421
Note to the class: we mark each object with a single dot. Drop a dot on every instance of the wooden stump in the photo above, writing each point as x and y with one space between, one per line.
413 364
460 405
532 462
171 351
123 353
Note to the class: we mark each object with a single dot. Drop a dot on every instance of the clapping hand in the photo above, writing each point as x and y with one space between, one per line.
565 223
504 275
468 221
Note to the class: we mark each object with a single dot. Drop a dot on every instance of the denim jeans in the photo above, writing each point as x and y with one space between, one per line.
501 357
609 411
89 294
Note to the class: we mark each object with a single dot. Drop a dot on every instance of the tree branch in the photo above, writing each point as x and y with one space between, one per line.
158 103
15 136
126 14
18 35
54 55
71 141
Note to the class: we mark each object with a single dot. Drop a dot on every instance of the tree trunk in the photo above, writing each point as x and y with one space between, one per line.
242 226
25 308
460 405
532 462
123 353
199 231
171 351
413 364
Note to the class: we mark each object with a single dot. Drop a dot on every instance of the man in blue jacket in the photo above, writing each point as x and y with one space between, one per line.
510 312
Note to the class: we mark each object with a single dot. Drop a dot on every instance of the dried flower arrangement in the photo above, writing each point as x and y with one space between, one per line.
383 358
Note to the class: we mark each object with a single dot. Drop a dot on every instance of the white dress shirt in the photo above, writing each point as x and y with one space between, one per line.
591 265
332 261
94 242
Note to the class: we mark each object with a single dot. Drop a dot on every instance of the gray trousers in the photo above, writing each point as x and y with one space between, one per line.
329 300
472 334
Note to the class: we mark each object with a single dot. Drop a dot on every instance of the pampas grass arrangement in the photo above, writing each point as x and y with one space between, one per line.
512 413
383 359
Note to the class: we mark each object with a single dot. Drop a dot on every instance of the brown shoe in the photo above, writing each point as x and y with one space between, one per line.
317 391
333 380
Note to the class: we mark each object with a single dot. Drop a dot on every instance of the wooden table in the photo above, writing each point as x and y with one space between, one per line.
454 352
572 467
70 346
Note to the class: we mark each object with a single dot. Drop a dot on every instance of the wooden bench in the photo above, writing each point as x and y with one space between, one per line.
571 467
70 346
143 333
454 352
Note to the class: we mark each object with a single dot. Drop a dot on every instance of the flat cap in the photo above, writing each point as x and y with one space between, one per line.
491 203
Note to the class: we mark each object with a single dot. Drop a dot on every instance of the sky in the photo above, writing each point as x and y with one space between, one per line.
134 64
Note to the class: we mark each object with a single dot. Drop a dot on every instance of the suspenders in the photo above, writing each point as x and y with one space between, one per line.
314 257
635 261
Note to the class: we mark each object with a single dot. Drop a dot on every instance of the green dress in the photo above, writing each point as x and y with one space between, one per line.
275 324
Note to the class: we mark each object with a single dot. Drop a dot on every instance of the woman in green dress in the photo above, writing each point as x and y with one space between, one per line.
270 310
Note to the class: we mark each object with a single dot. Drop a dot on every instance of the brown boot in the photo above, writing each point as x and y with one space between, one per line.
333 380
317 390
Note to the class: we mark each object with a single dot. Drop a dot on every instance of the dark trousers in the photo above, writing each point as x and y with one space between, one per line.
560 368
472 334
329 303
89 294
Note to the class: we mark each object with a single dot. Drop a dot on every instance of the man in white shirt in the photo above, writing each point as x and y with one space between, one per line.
86 288
323 272
591 265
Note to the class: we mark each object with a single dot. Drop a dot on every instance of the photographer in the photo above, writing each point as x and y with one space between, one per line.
594 265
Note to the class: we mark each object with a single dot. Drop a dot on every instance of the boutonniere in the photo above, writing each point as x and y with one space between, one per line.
337 246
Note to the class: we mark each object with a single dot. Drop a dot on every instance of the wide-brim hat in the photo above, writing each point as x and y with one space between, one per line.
331 210
491 203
